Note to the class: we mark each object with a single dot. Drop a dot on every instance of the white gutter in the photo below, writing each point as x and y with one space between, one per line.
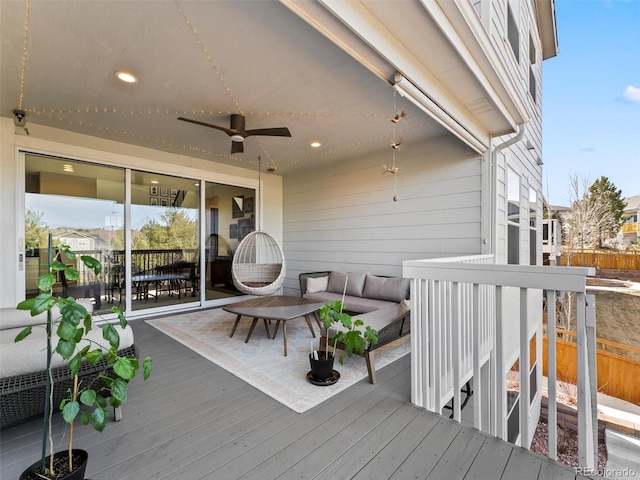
494 181
408 90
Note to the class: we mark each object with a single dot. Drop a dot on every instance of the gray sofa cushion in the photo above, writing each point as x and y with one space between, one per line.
29 355
11 317
352 304
393 289
355 283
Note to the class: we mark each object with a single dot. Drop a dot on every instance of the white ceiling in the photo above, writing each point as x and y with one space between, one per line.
202 60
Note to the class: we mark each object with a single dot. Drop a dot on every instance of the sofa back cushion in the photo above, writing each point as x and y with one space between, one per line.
11 317
393 289
317 284
355 283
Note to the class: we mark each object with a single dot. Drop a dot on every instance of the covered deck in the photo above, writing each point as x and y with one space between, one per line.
195 420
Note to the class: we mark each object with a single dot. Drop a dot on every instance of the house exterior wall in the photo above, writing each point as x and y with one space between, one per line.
66 144
523 158
344 217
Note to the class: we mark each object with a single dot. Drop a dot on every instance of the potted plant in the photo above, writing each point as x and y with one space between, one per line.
89 401
350 340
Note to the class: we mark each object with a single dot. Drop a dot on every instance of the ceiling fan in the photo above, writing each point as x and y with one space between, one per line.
238 133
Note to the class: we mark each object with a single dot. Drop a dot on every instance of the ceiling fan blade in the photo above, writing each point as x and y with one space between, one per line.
271 132
204 124
237 147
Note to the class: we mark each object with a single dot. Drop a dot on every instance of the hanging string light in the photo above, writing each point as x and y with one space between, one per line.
395 145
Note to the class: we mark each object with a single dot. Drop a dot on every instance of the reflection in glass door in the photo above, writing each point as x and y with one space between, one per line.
164 235
81 205
229 217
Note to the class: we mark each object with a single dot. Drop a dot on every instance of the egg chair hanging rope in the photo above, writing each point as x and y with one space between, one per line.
258 266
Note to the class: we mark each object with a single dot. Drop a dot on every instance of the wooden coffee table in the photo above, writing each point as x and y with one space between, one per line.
278 308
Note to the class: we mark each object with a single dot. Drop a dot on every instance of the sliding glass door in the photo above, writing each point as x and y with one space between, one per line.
164 240
155 254
80 205
229 217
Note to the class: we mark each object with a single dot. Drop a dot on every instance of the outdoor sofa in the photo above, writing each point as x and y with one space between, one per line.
380 302
23 365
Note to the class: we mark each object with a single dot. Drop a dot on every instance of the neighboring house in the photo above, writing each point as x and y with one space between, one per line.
631 227
78 241
552 234
468 174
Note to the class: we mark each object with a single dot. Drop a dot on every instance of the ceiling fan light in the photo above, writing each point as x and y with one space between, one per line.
126 77
237 138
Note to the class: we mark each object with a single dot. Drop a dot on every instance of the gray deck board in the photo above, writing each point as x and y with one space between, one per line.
195 420
395 452
491 460
455 463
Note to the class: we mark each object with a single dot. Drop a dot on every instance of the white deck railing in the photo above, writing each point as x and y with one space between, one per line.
457 326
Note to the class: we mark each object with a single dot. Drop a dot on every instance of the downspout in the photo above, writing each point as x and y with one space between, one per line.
494 182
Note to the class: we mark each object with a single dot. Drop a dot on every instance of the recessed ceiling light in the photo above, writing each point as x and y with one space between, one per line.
126 77
67 168
155 182
316 144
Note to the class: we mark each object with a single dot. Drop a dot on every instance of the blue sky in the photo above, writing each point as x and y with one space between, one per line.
591 98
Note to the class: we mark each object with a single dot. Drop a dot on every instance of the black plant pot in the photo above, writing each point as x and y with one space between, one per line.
322 367
61 459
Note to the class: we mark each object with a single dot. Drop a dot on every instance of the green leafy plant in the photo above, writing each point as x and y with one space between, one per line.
353 339
110 387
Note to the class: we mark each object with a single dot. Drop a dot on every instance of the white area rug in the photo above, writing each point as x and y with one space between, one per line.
261 362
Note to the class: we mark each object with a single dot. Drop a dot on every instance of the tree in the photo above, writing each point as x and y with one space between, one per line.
36 230
589 216
602 190
174 230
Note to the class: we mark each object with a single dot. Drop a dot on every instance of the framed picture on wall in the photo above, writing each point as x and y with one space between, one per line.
237 206
244 228
153 201
248 205
164 202
164 192
174 192
153 190
233 230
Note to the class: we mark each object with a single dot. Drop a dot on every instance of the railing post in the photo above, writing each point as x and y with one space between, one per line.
552 408
436 319
456 352
586 451
524 370
590 323
497 367
419 344
477 382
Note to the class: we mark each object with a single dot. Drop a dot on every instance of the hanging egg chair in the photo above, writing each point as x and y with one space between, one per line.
258 266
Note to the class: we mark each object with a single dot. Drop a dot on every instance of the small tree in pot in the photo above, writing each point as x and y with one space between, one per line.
75 346
351 340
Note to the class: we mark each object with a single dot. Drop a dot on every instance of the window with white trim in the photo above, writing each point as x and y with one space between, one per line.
532 62
513 33
513 217
533 228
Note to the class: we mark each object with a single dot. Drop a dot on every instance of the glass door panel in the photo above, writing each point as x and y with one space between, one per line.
81 205
164 235
229 217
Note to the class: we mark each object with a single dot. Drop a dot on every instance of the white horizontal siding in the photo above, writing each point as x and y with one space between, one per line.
344 217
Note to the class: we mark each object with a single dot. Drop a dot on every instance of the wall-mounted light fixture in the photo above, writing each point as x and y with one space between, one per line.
539 161
20 118
530 145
